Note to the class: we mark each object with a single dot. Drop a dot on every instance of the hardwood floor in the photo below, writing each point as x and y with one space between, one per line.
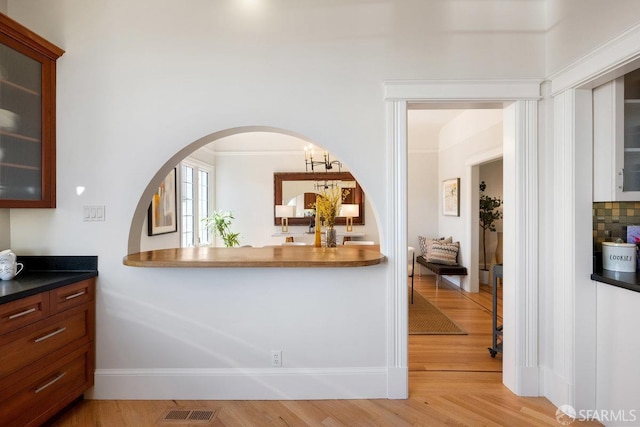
453 381
457 352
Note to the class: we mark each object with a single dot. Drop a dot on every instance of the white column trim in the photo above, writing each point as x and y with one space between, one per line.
396 250
564 253
521 217
572 376
522 355
584 293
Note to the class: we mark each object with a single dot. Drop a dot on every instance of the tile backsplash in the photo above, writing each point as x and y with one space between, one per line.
610 221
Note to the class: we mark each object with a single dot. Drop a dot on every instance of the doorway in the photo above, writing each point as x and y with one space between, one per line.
444 143
520 111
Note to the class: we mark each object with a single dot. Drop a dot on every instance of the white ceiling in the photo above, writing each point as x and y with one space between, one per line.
424 127
426 120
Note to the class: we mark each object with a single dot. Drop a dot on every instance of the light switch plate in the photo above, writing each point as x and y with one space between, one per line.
93 213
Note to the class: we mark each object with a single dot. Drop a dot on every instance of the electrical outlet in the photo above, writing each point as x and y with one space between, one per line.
276 358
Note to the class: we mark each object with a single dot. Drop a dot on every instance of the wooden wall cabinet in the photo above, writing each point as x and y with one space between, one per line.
27 117
47 352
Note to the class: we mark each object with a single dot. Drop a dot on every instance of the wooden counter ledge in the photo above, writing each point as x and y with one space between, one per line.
269 256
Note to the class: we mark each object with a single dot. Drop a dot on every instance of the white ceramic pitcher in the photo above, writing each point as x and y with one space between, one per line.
9 268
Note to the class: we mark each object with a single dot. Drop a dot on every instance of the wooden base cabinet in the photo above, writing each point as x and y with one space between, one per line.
48 359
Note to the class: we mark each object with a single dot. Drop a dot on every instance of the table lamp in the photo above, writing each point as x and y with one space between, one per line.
284 212
350 211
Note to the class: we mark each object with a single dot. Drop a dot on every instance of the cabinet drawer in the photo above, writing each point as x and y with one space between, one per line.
20 348
43 393
72 295
16 314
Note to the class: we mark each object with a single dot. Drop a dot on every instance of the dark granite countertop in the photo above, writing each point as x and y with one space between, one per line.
629 281
43 273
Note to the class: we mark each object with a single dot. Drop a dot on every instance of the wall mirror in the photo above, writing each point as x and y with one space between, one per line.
299 189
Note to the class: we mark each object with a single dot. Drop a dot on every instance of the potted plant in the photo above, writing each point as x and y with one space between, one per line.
489 214
220 224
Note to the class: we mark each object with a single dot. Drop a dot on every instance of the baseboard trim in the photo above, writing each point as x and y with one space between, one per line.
529 381
556 388
453 281
239 384
398 383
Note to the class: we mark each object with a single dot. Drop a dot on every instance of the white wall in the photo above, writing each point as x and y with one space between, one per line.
5 229
422 183
141 80
576 27
422 188
463 139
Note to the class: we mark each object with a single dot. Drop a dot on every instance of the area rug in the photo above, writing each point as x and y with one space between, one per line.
427 319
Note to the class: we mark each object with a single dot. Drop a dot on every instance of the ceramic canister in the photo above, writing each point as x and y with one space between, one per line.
619 257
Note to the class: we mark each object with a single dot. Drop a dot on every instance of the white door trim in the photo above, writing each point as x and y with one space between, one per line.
397 356
520 363
520 358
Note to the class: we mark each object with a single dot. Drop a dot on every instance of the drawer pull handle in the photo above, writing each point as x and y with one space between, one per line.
52 334
22 313
42 387
76 295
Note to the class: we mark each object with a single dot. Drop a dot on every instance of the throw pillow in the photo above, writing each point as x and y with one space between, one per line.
422 241
426 243
444 253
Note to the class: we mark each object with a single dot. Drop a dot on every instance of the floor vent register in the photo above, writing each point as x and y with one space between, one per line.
187 416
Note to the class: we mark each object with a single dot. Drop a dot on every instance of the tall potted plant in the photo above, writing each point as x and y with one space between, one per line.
220 224
489 214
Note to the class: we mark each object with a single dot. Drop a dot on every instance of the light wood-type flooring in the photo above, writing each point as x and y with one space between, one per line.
453 381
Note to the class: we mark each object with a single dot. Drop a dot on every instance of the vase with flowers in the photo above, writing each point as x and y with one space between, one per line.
327 206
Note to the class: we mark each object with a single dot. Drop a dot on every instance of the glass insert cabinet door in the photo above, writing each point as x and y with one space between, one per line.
27 117
631 181
631 172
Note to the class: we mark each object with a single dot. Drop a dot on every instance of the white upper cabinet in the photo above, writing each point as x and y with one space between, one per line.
616 139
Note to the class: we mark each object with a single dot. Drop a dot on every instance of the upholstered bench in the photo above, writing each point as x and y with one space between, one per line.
442 269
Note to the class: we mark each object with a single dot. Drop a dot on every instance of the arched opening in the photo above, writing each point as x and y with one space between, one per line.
246 160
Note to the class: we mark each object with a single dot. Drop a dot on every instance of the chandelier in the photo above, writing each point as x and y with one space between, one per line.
325 185
326 162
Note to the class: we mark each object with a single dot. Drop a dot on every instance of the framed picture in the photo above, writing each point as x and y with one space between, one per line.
162 217
451 197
